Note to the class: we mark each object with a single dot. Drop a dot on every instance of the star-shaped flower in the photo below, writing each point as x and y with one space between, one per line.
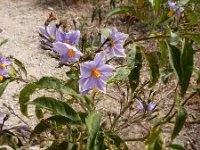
94 74
70 37
48 35
114 46
4 62
67 52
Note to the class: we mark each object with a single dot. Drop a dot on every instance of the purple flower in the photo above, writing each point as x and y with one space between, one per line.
48 35
171 5
94 74
3 73
173 10
149 107
67 52
71 37
179 11
4 62
114 46
23 130
140 106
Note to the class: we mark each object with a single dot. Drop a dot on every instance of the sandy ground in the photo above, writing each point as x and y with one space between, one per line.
19 21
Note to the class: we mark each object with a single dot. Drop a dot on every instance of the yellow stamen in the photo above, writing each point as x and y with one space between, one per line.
3 66
170 13
66 42
70 53
95 90
111 44
95 73
1 77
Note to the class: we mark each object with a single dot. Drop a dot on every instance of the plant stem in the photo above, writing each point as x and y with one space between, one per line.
122 112
12 112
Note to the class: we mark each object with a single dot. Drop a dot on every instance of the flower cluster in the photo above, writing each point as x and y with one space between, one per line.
4 63
93 74
173 9
114 46
54 38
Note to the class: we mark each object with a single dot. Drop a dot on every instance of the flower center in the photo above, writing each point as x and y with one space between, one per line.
95 73
95 90
66 42
3 66
1 77
170 13
70 53
111 44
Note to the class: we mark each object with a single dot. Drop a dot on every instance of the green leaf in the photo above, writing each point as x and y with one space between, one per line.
155 139
46 124
135 62
133 54
195 38
166 74
174 59
117 141
58 107
186 65
120 75
93 121
99 143
73 73
180 120
156 4
121 10
3 42
162 18
152 60
195 1
24 97
38 112
176 147
182 2
42 126
163 51
46 83
3 85
20 65
191 15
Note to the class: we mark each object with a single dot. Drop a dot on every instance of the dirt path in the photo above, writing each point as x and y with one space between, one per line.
19 21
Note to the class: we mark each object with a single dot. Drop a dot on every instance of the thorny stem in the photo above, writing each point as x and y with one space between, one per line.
122 112
137 139
82 106
155 37
172 104
12 112
184 102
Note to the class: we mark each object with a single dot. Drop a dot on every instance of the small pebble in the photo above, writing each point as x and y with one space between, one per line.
50 8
